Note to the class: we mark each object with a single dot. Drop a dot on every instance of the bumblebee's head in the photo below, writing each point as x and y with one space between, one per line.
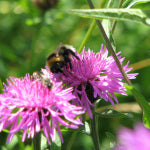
56 61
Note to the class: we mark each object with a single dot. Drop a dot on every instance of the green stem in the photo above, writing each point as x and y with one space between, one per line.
109 47
94 131
71 141
21 144
115 22
37 141
1 86
88 34
112 51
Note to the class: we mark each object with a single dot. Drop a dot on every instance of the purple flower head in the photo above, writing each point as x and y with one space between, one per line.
30 106
96 75
136 139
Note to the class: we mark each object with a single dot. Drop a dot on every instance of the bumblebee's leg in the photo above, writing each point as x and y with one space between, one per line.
67 51
67 60
73 53
70 65
58 70
57 67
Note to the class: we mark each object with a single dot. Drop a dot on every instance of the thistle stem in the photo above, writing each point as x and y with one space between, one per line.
115 22
88 34
94 130
37 141
109 47
112 51
72 139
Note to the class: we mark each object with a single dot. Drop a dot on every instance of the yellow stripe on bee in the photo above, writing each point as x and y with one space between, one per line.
52 60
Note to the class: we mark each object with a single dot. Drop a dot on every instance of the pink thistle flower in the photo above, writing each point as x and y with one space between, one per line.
95 75
28 105
136 139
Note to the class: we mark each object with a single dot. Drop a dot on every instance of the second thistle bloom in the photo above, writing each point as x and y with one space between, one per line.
96 75
133 139
30 106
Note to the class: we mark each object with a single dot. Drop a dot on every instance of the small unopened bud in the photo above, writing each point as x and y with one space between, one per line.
45 4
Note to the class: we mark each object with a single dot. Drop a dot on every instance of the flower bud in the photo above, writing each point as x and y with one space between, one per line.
45 4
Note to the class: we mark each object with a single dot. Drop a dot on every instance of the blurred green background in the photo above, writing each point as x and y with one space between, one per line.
28 34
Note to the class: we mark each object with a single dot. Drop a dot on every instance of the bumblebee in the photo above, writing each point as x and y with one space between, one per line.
44 80
57 60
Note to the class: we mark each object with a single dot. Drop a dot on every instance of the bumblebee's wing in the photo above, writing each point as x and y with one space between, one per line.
58 49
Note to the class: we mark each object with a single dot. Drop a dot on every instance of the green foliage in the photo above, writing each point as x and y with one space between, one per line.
144 105
137 15
57 144
111 113
142 4
28 35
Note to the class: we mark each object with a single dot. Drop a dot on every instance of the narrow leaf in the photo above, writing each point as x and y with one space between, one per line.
110 4
144 105
111 139
110 136
6 130
126 3
143 6
107 27
135 3
146 120
87 128
122 14
140 64
57 144
111 113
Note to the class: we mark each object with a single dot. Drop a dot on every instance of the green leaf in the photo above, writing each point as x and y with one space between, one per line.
111 113
87 128
110 4
3 137
54 145
143 104
37 141
57 144
146 120
122 14
111 139
107 27
12 145
142 4
21 144
110 136
126 3
1 86
43 142
6 130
